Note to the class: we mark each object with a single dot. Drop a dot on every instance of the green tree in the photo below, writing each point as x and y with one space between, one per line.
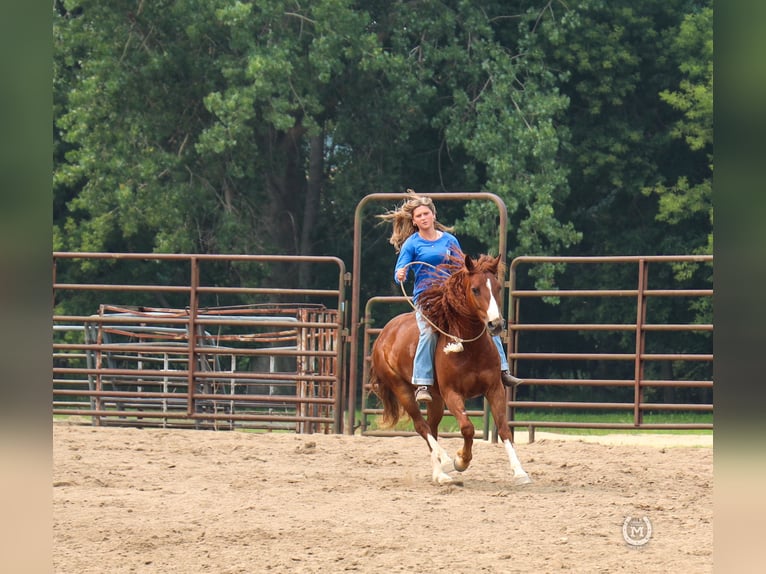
220 126
621 64
234 126
613 60
691 195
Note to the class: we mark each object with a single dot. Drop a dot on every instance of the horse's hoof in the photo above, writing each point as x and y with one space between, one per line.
521 479
460 465
448 465
443 478
447 480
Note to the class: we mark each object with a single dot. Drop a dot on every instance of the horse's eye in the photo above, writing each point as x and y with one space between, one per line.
475 291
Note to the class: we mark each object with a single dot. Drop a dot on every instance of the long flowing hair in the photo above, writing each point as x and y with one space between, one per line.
401 219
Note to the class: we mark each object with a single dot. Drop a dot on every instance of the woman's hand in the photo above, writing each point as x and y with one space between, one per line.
401 273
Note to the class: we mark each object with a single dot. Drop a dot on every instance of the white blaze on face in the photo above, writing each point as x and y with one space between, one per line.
493 311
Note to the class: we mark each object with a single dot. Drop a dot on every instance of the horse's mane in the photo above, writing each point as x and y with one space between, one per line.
445 301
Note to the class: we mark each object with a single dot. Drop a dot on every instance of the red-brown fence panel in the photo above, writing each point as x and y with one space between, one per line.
651 380
258 364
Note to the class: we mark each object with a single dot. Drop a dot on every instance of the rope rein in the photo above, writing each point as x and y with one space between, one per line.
456 343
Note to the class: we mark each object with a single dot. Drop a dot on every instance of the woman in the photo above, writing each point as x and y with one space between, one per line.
418 237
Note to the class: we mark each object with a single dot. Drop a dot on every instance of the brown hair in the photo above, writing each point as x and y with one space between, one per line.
401 218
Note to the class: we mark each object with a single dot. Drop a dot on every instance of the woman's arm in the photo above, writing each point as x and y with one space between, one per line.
406 256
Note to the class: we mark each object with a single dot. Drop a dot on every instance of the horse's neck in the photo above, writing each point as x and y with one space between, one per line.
467 330
447 311
462 326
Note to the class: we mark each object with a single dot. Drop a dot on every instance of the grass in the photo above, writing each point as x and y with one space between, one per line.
449 424
618 418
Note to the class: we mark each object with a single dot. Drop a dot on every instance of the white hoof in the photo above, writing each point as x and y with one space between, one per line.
520 479
448 465
443 478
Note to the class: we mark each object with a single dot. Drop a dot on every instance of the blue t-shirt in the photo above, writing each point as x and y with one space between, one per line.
415 248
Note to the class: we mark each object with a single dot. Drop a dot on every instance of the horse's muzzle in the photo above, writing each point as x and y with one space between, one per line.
495 327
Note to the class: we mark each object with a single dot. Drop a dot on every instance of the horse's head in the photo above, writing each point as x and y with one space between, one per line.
469 295
483 290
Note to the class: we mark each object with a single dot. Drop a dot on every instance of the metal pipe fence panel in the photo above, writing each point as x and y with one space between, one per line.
357 364
225 356
254 365
660 361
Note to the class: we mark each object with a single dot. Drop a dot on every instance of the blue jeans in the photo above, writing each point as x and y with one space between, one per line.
423 366
500 351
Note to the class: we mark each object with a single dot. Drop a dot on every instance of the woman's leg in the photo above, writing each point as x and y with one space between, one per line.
503 359
423 367
505 374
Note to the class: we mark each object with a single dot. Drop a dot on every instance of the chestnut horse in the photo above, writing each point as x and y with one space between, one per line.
465 311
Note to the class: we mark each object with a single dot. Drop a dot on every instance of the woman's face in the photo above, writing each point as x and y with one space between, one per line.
423 217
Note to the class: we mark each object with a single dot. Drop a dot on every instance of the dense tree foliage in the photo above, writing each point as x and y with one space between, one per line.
232 126
220 126
639 79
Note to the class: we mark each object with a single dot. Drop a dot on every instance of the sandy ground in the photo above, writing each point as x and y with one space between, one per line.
164 501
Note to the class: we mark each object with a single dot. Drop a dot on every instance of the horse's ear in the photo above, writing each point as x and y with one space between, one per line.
469 265
494 267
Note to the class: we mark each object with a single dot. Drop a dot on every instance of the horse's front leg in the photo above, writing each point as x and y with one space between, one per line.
435 413
496 398
441 460
441 463
456 405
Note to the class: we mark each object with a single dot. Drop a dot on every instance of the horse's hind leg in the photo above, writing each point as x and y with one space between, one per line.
496 398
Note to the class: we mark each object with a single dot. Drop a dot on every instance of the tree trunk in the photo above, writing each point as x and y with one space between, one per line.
311 205
286 187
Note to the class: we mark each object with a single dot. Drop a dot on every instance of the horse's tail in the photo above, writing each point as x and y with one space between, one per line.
391 408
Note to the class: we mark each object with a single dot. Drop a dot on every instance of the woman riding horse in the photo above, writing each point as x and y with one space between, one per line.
462 357
464 310
424 243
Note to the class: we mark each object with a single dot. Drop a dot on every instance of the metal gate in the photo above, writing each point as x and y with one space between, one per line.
258 365
360 356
